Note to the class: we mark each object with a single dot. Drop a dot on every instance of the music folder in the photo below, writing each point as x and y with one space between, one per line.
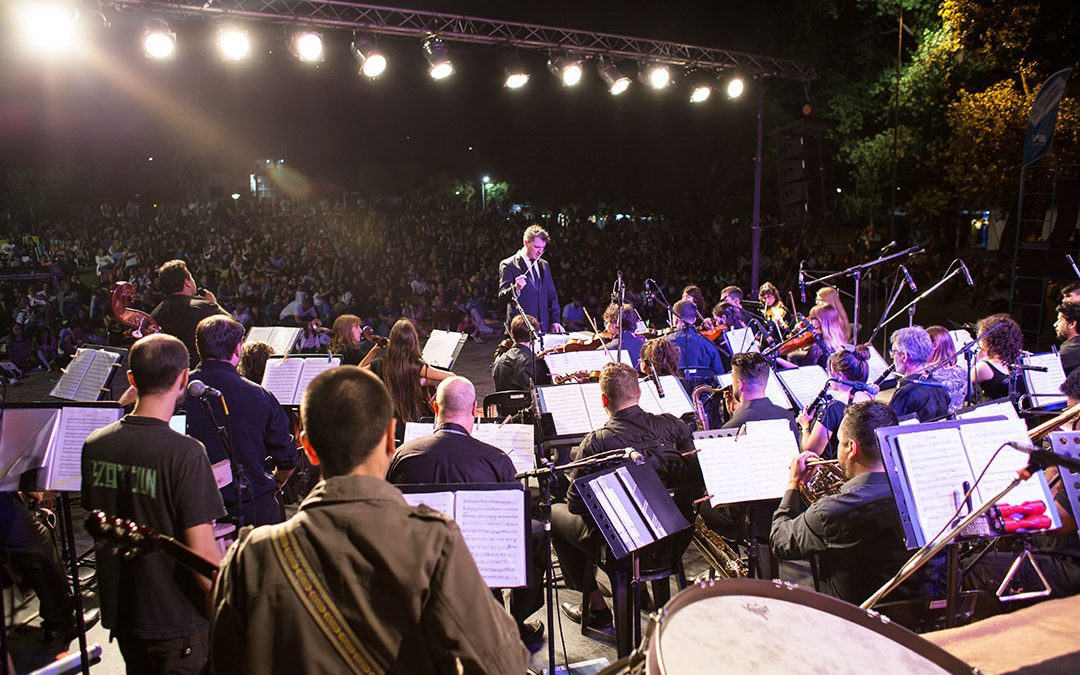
281 338
443 347
494 521
287 378
753 465
631 507
88 375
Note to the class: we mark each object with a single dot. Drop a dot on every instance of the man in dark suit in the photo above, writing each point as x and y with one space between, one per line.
184 305
528 278
452 456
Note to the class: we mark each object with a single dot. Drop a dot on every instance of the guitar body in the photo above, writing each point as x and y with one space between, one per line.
129 539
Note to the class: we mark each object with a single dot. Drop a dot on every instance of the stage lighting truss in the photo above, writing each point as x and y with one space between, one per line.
234 43
159 42
566 67
308 46
516 75
615 81
440 66
372 62
656 75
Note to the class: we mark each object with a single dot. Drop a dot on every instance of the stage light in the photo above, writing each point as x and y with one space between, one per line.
516 75
656 75
234 44
372 61
567 68
159 42
735 87
47 28
700 93
435 53
308 47
615 81
701 86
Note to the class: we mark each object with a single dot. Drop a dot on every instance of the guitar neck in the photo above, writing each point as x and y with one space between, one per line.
186 556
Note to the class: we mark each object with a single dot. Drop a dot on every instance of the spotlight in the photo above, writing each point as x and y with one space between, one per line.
435 53
234 43
615 81
159 43
567 68
308 47
701 86
656 75
371 60
735 87
47 28
516 75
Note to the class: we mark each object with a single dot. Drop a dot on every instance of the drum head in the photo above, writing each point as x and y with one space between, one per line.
752 626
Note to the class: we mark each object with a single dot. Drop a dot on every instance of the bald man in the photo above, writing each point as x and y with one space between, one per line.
452 455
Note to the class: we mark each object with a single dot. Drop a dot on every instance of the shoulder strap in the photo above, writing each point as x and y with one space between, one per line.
319 604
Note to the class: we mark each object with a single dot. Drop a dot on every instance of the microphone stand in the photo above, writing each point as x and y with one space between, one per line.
659 295
893 297
619 297
856 272
924 294
239 477
967 350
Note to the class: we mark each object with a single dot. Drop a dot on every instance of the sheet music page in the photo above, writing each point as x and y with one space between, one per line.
590 392
97 373
750 467
675 401
24 438
67 386
804 383
440 348
960 338
567 407
283 339
311 369
280 378
876 365
741 340
561 364
597 359
63 461
982 439
1044 383
550 340
516 440
936 466
650 399
443 502
259 334
628 525
990 410
775 392
415 430
493 525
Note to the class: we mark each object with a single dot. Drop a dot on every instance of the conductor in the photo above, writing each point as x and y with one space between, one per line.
528 278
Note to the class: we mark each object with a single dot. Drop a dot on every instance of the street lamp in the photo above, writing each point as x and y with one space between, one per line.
483 192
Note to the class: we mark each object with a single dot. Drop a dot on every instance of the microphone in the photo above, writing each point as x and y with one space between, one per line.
802 283
198 389
910 281
1021 366
655 379
1043 458
868 387
967 274
634 456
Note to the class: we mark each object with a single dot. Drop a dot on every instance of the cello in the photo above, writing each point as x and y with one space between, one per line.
138 322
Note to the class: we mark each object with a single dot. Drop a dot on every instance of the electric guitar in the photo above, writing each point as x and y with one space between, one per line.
128 540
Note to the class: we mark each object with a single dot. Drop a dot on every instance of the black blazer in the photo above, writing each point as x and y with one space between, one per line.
538 300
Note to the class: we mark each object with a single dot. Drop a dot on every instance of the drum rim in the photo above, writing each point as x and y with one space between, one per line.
793 593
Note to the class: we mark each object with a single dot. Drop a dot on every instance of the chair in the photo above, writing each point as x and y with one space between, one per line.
503 403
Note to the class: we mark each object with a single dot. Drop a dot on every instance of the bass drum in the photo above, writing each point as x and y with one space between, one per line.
755 626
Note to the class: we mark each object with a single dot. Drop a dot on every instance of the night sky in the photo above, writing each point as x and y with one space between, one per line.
113 110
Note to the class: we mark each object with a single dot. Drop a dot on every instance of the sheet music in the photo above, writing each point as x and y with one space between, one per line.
493 525
750 467
876 365
741 340
63 460
67 386
441 348
443 502
982 440
1000 408
588 361
97 374
1044 383
675 401
516 440
280 378
281 338
960 337
804 383
415 430
567 406
550 340
936 466
590 392
313 367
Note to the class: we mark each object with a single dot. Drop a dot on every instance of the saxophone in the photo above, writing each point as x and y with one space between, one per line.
718 553
701 418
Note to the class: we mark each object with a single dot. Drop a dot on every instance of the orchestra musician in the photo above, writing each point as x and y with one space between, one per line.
997 352
403 593
826 320
695 351
253 358
405 373
819 430
732 295
514 369
854 535
631 342
662 355
139 468
1067 328
951 374
347 340
926 398
527 277
184 306
773 308
830 296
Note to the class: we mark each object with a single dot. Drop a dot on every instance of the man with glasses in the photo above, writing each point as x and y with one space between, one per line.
924 397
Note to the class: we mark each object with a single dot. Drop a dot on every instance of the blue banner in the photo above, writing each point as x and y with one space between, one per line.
1040 128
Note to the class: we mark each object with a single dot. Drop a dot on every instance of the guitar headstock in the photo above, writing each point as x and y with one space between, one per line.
124 537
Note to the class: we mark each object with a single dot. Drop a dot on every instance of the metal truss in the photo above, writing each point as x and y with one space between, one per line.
451 27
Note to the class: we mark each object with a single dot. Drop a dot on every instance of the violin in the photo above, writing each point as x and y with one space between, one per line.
580 377
504 347
803 341
368 333
593 343
653 333
715 332
138 322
